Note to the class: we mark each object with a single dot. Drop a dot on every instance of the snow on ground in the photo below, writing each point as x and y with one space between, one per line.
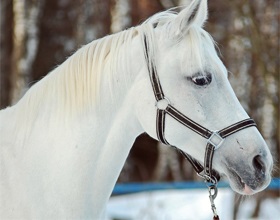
185 205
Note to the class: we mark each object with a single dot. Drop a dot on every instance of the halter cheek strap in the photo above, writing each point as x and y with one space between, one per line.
214 138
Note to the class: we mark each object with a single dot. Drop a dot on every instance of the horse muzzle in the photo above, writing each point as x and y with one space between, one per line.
248 179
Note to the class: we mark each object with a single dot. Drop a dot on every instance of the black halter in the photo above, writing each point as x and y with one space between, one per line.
214 138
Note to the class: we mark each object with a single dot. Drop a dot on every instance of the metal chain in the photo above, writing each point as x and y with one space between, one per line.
213 191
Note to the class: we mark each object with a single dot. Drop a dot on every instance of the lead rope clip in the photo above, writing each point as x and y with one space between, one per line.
213 191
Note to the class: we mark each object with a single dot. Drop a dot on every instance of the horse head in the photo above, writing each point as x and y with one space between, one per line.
195 81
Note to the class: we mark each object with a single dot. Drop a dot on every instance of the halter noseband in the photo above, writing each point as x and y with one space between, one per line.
214 138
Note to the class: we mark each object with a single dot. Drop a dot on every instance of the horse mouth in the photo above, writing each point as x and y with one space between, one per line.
236 177
238 183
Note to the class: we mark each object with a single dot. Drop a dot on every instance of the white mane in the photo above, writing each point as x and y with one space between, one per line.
75 85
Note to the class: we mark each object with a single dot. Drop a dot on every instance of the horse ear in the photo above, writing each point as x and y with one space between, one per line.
194 14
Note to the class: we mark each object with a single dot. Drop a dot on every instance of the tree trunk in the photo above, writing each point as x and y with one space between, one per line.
141 10
56 30
6 52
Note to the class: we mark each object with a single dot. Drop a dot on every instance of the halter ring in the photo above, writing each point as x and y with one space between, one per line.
215 139
162 104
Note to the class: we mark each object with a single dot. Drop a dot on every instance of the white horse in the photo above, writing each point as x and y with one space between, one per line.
64 143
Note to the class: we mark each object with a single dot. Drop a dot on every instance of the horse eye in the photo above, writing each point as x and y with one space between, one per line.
202 80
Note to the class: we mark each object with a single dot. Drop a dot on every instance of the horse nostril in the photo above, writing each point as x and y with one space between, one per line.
259 164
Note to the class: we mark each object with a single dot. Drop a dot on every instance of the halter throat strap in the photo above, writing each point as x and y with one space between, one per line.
214 138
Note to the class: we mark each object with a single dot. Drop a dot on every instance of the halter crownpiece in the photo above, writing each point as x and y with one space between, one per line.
214 138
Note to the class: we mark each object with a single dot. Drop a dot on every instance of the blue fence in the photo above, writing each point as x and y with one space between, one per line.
125 188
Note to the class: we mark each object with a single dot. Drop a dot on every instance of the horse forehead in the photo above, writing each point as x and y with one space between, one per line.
197 46
189 59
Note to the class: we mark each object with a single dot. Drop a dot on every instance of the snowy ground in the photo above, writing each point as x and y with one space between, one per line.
185 205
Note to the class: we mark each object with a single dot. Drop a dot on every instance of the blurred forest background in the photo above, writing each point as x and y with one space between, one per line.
38 35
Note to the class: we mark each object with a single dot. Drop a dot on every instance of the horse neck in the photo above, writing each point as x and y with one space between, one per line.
121 127
110 159
95 140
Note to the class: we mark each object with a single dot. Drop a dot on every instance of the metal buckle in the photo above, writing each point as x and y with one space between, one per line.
208 179
215 139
